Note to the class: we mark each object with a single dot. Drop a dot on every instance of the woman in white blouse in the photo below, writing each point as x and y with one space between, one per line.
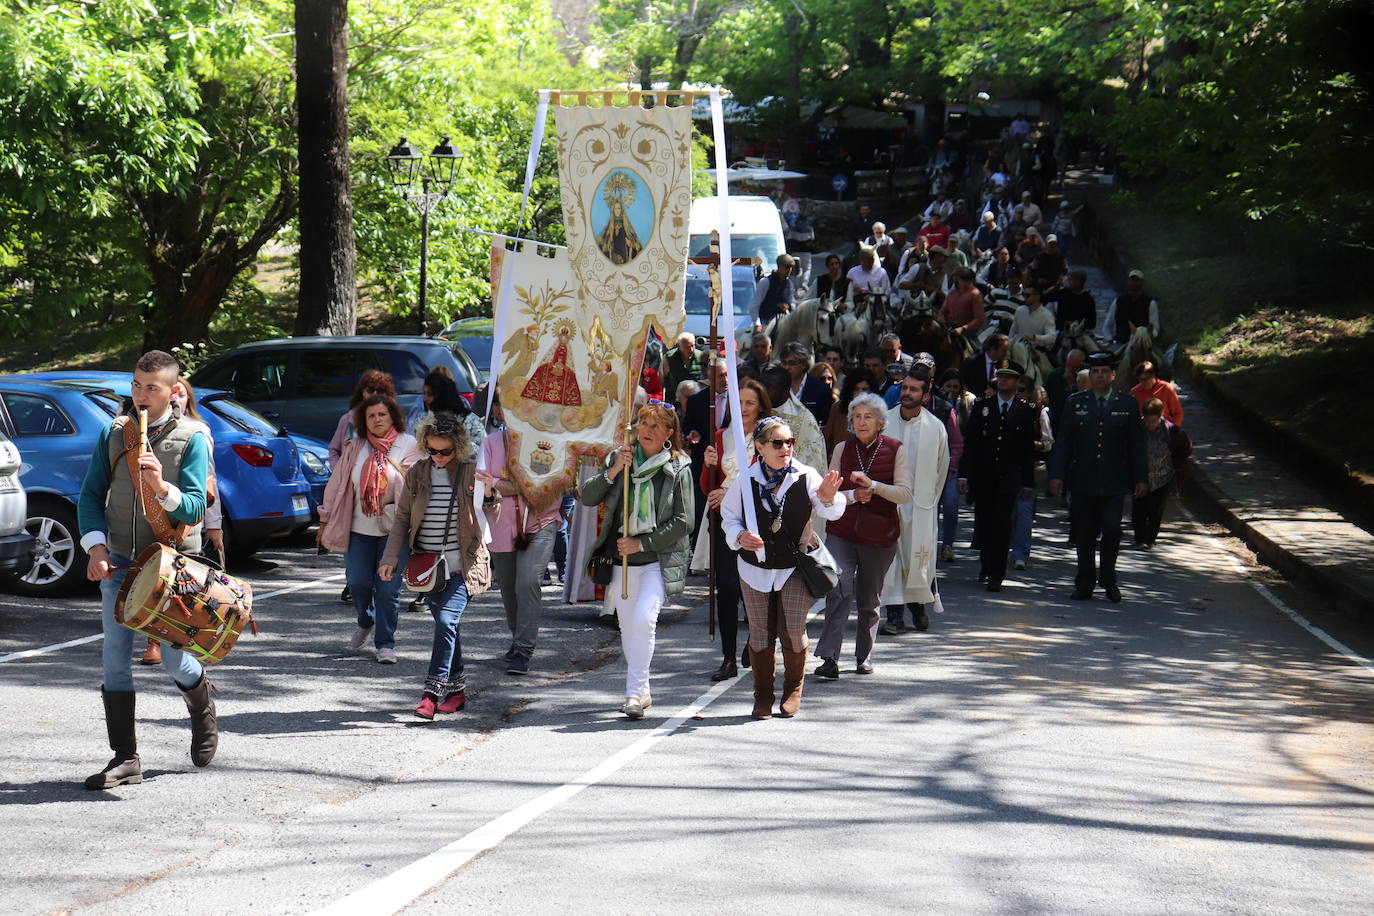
783 493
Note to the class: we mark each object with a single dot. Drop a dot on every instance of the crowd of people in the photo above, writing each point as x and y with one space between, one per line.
854 473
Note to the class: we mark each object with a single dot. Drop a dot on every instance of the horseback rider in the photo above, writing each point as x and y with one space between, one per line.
1132 309
774 294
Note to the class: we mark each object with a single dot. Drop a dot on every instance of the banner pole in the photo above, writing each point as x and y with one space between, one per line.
630 385
727 305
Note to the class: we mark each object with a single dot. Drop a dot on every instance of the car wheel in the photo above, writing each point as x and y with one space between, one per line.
235 548
59 563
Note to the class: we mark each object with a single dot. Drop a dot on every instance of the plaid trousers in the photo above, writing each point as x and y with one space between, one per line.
778 614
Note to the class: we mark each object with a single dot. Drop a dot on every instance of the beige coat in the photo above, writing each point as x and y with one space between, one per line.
410 511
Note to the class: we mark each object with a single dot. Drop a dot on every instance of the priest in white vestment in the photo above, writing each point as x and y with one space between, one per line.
910 581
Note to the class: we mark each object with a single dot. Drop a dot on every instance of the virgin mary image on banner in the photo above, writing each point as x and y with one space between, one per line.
618 238
554 382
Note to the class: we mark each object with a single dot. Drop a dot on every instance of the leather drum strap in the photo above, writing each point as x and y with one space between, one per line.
163 529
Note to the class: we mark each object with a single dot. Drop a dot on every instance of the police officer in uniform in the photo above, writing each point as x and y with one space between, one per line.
1099 457
998 467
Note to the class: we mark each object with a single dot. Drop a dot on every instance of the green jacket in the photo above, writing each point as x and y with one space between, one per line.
668 542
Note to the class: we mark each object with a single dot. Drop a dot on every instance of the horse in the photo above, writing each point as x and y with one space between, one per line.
921 331
1033 360
1077 337
838 323
1139 348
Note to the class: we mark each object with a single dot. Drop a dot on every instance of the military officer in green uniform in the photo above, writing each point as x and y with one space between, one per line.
998 468
1098 457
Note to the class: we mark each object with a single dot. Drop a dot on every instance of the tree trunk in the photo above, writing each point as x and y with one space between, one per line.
328 292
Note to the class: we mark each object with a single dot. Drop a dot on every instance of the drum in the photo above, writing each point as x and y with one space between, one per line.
185 603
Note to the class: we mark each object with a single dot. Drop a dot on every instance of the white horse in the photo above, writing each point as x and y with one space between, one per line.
1078 337
1035 363
834 324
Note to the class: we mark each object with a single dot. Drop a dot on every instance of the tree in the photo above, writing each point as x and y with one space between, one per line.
328 302
151 128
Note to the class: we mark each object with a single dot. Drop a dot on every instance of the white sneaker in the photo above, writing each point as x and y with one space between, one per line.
1020 564
359 637
632 708
386 656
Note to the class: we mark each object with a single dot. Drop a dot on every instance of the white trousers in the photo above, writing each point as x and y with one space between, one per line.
638 616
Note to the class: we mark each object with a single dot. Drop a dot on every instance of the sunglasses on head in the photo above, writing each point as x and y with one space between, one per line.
440 452
779 443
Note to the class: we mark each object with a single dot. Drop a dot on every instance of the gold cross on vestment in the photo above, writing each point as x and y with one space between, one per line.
923 555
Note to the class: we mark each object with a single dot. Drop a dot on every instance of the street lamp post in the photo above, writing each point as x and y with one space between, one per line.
405 164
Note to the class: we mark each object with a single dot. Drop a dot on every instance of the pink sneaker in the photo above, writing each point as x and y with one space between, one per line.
426 708
359 637
454 702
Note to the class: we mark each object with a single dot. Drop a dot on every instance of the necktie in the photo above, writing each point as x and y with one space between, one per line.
1005 405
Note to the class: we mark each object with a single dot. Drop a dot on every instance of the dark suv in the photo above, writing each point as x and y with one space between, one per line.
303 383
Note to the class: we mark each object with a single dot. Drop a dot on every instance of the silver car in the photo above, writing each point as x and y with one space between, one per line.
16 544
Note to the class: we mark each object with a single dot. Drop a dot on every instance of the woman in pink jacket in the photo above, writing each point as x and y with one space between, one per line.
357 512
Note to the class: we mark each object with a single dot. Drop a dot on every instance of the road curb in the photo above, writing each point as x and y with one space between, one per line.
1349 594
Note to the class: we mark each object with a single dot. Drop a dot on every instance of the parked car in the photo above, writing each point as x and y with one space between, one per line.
304 383
474 335
314 454
16 544
56 424
698 303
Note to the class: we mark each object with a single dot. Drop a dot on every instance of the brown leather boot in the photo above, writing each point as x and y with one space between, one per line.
793 673
125 767
762 664
153 654
204 729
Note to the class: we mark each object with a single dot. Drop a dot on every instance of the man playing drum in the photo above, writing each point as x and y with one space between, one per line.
113 518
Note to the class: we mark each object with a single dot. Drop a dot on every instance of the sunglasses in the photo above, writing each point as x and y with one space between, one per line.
440 452
374 390
779 443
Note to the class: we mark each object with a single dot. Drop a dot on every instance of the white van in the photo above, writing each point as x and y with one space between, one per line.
755 228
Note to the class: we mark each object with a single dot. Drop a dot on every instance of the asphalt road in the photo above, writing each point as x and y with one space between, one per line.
1193 750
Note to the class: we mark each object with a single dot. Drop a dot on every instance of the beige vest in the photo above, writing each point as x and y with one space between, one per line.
128 531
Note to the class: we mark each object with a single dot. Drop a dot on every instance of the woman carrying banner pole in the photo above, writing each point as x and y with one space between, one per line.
648 486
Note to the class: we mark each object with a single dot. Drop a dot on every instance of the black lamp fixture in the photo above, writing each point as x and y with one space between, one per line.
404 162
443 162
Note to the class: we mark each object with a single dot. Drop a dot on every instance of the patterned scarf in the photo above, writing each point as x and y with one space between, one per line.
643 511
375 480
772 480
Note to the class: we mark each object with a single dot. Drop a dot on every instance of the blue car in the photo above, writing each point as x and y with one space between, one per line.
56 424
314 454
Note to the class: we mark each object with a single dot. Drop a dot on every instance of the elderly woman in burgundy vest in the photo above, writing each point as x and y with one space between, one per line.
875 480
784 493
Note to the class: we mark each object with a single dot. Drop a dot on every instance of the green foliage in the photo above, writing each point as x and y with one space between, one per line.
1259 109
132 132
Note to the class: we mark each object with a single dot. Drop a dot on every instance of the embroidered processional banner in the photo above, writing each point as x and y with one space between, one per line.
561 378
626 181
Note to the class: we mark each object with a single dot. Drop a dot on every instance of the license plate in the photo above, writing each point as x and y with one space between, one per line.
8 484
299 505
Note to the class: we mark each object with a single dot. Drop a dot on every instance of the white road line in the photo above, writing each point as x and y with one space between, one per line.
1288 612
403 887
30 653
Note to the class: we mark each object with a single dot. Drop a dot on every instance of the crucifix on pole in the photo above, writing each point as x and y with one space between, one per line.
713 264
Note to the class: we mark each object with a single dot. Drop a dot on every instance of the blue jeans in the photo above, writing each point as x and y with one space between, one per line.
949 512
1021 533
375 601
116 654
560 542
446 659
